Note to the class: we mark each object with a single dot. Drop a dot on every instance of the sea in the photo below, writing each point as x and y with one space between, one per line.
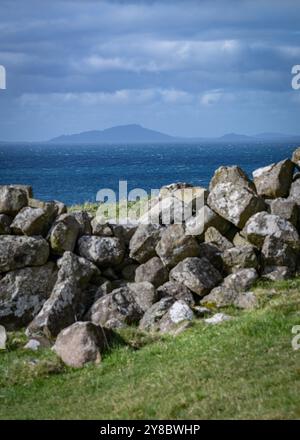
73 174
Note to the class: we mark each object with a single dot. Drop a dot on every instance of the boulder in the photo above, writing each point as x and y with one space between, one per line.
175 245
218 318
213 236
234 175
169 190
276 273
296 157
33 221
12 199
68 300
285 208
205 218
17 252
236 203
143 293
276 252
84 221
153 271
100 227
295 192
115 310
274 180
128 272
177 291
103 251
154 314
222 296
167 211
23 293
213 254
81 343
124 232
239 258
240 241
143 242
5 222
241 281
194 198
178 313
63 234
262 224
197 274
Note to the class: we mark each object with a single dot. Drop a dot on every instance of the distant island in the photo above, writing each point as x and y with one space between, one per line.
135 133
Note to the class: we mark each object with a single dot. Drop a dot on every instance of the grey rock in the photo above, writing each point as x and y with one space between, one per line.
295 192
197 274
277 253
241 281
5 222
103 251
205 218
124 232
218 318
274 180
143 242
234 175
152 271
23 293
222 296
17 252
178 313
143 293
154 314
276 273
12 199
101 228
33 221
84 221
285 208
240 241
213 254
177 291
63 234
239 258
296 157
213 236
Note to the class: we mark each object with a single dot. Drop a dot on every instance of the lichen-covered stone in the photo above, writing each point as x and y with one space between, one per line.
103 251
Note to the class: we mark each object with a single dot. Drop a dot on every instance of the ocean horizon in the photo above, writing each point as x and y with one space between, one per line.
73 174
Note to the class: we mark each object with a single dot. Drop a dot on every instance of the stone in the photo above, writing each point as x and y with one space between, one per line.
194 198
197 274
240 241
102 251
236 203
178 313
274 180
213 254
295 192
124 232
68 300
81 343
167 211
296 157
222 296
17 252
12 199
33 221
5 222
239 258
128 272
213 236
63 234
241 281
262 224
143 293
175 245
285 208
177 291
143 242
153 271
33 345
276 273
23 293
115 310
154 314
169 190
205 218
276 252
84 221
218 318
101 228
234 175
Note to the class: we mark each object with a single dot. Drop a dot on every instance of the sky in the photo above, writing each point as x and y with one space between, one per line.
187 68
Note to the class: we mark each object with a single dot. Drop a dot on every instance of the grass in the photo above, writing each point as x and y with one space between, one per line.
242 369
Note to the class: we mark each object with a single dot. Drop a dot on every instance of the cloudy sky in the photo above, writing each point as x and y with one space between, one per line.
187 68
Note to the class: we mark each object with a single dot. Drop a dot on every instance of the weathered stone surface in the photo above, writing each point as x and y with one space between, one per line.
117 309
236 203
153 271
263 224
285 208
5 222
296 157
175 245
218 318
213 254
213 236
277 253
241 281
63 234
274 180
194 198
128 272
178 313
143 242
143 293
23 293
18 252
12 199
153 315
234 175
68 299
33 221
295 192
81 343
101 228
169 190
124 232
222 296
103 251
167 211
276 273
239 240
205 218
239 258
177 291
197 274
84 221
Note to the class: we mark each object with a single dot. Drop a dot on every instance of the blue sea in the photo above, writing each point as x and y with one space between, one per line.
75 173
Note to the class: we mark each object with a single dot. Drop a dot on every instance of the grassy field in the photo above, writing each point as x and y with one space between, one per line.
241 369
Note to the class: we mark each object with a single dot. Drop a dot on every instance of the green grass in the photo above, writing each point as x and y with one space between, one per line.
241 369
